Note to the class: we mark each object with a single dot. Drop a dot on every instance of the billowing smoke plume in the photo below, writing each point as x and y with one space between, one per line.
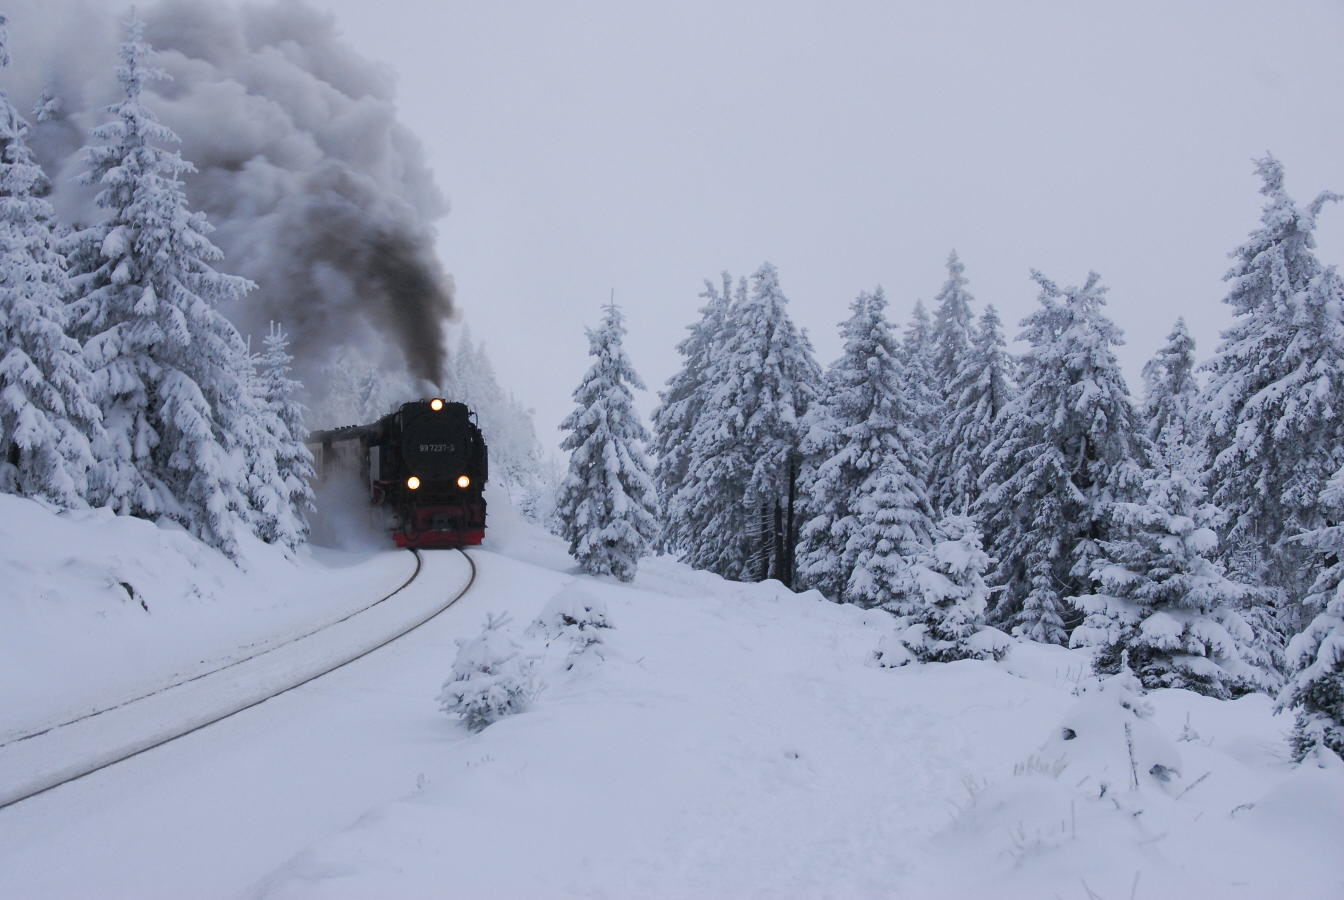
318 193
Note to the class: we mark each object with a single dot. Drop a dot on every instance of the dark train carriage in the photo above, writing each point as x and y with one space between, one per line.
425 466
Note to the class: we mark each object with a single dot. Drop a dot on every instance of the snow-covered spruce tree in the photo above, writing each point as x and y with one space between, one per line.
170 372
1316 690
1162 598
1066 449
947 621
578 617
678 411
976 395
257 436
1328 543
1041 618
742 474
858 422
952 342
47 421
827 479
293 462
951 336
1275 422
1315 657
606 504
923 396
1110 739
491 677
892 525
1171 402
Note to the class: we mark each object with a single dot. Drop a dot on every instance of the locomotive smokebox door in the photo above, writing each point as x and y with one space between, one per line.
434 442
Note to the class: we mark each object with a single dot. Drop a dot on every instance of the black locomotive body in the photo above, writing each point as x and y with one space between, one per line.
425 466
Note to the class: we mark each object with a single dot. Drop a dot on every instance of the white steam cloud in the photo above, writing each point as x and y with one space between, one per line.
318 193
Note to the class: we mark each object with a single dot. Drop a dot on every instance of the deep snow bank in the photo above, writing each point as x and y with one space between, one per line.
719 740
729 740
98 608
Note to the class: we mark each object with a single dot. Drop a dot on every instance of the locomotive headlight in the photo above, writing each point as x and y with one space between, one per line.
413 483
436 404
463 481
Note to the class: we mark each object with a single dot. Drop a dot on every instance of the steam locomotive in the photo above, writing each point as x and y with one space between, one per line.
424 465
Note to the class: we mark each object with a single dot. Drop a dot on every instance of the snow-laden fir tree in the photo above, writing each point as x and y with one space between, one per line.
1041 618
951 334
1315 657
1163 598
491 678
947 619
48 425
293 462
1066 449
47 107
923 395
742 475
951 338
678 411
1171 401
606 504
892 525
1327 543
266 508
1275 421
976 395
1316 689
828 477
1112 745
575 616
859 421
172 375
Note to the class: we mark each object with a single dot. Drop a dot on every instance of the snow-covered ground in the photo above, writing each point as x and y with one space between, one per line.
731 741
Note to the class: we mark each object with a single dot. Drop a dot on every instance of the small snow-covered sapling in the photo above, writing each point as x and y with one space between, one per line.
491 677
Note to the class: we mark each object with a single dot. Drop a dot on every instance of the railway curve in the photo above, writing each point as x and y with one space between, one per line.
26 766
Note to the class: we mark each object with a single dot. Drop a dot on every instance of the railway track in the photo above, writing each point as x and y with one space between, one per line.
419 564
17 793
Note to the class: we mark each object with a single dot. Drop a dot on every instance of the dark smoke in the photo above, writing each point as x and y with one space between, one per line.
317 192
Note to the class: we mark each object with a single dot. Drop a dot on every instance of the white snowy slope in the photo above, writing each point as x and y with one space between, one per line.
732 741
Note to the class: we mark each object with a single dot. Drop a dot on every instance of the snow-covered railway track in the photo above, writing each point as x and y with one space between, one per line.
38 732
29 767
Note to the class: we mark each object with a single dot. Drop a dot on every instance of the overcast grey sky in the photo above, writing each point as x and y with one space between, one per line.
586 146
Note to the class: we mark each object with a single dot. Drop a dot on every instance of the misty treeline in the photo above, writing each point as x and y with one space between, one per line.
1195 531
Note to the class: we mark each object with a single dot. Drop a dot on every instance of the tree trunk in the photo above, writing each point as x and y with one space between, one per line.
791 524
764 541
